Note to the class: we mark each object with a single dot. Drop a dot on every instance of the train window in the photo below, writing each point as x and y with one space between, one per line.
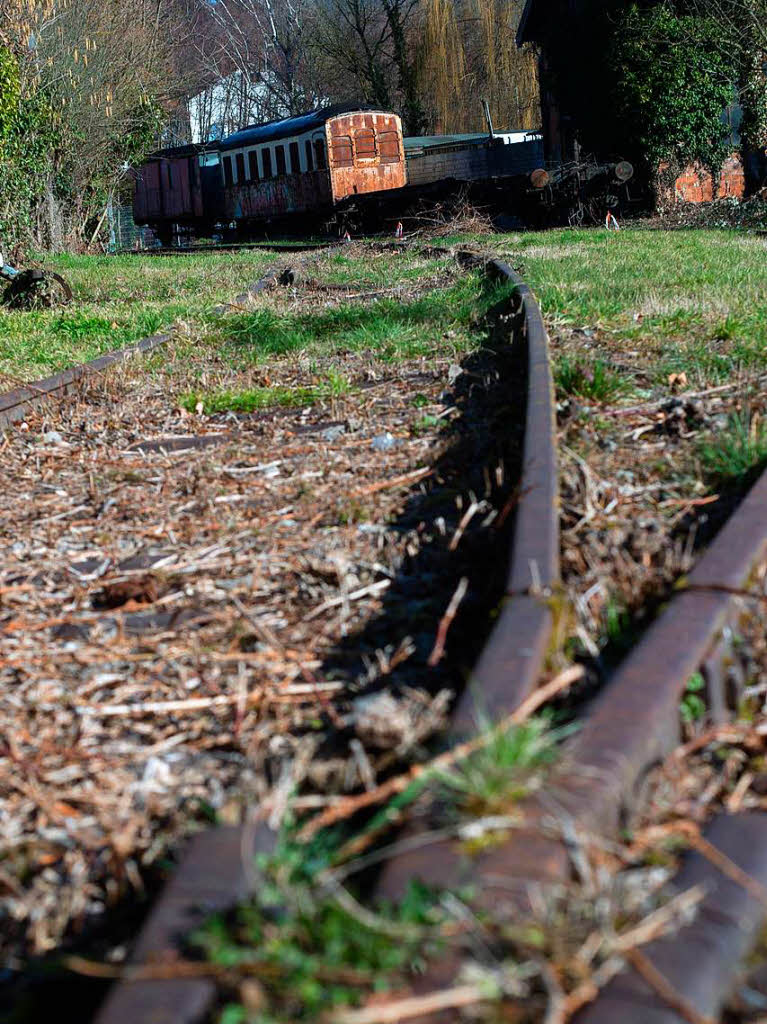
309 156
319 153
228 171
295 158
388 147
342 151
365 144
267 163
279 152
240 158
253 165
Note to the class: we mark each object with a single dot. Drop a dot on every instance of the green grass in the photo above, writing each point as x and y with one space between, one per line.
737 451
696 300
251 399
443 321
370 269
500 772
593 380
117 300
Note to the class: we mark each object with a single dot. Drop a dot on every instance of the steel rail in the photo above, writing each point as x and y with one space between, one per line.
215 871
631 726
700 961
18 402
633 723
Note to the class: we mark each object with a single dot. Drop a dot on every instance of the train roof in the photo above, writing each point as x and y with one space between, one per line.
274 130
193 149
416 142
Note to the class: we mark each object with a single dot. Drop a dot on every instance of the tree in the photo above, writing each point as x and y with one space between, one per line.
266 44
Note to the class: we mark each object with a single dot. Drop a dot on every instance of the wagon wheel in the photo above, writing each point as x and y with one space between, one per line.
60 291
37 289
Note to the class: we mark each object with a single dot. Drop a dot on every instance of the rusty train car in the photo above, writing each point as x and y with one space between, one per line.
311 162
308 164
179 189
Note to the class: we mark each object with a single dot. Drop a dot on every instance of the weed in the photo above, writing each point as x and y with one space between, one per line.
309 953
425 425
595 380
692 707
502 770
737 451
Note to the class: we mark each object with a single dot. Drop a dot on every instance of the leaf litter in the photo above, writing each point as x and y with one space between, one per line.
197 611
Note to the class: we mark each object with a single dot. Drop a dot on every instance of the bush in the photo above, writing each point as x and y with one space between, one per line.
673 78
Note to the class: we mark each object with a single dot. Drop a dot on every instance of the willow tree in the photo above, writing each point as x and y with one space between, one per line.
443 66
469 53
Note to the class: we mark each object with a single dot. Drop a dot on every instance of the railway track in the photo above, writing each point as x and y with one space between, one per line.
599 783
194 250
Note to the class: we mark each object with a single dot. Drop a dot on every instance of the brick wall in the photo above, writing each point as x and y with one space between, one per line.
695 184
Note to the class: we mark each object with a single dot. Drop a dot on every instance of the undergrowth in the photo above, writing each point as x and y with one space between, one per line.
251 399
595 380
737 451
306 941
439 321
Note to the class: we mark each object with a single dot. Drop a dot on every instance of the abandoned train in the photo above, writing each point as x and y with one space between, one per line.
329 163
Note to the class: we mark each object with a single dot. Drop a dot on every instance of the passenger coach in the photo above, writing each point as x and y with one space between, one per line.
310 163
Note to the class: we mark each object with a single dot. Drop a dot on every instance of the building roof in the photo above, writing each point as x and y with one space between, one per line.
526 27
426 141
283 129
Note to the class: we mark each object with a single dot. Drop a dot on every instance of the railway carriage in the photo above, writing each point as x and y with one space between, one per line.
310 163
179 189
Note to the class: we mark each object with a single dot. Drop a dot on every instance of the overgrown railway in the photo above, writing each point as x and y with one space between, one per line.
212 624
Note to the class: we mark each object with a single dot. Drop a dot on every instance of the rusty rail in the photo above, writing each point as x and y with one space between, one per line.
632 725
699 961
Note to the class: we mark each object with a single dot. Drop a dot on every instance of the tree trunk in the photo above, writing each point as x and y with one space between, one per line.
54 217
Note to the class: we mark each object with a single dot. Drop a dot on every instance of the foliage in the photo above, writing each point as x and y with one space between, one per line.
754 100
309 952
672 81
28 137
10 91
692 707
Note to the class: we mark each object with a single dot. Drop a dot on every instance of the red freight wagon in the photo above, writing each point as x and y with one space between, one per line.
178 188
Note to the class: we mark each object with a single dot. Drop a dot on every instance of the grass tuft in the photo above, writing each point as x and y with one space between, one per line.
588 380
501 771
737 451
